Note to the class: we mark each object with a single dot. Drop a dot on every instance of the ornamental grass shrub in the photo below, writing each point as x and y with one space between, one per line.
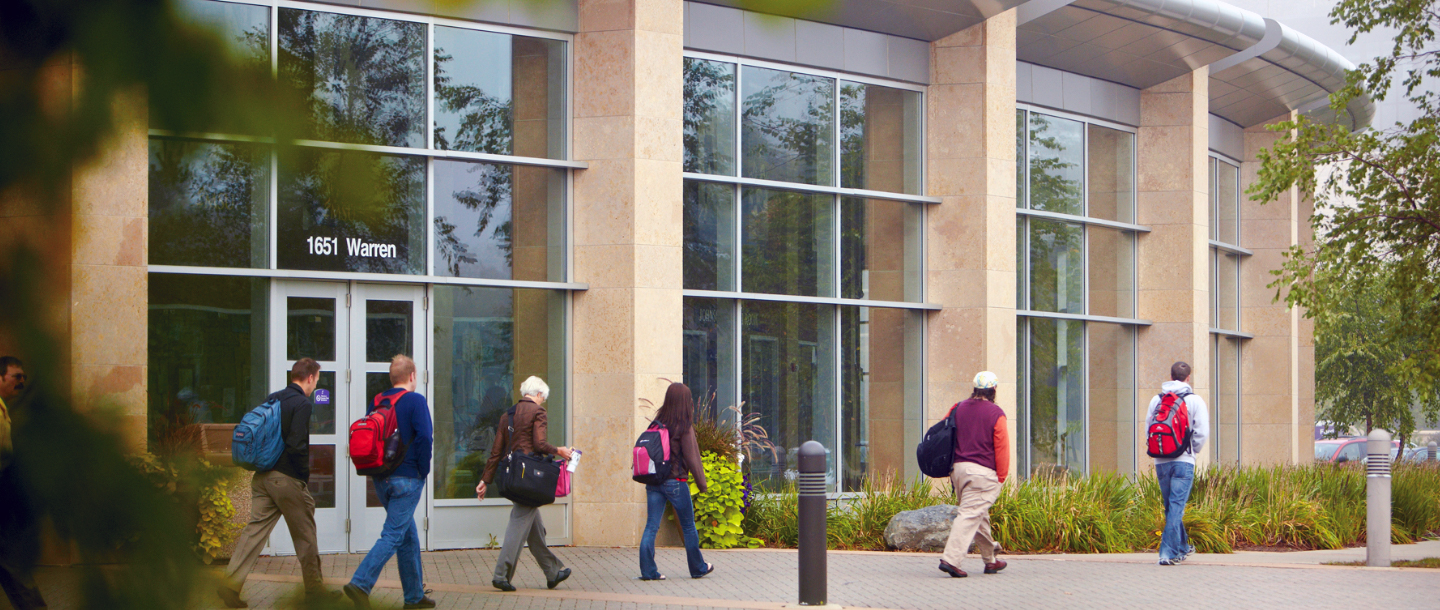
1319 506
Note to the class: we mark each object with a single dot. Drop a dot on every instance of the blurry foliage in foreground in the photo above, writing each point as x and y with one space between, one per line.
1318 506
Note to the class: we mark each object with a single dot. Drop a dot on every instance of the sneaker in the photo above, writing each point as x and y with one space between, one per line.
425 602
953 571
231 598
360 598
559 578
995 566
1169 562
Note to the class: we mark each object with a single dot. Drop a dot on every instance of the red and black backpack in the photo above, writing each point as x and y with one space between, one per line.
1170 435
375 444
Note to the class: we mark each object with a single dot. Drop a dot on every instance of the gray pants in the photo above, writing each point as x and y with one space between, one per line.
273 495
525 526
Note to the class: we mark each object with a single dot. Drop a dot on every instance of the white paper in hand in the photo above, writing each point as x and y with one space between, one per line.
574 460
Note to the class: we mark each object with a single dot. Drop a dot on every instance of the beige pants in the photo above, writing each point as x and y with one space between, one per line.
273 495
976 487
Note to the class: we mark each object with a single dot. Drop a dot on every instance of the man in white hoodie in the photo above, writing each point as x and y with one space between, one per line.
1177 474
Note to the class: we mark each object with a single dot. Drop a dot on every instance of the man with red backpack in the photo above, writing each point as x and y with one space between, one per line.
1176 425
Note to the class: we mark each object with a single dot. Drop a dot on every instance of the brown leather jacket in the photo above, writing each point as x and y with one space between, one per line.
530 429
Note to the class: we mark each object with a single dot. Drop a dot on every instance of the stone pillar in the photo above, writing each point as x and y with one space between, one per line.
970 251
1173 198
1278 365
628 233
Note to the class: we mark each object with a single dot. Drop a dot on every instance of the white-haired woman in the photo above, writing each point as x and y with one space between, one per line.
527 419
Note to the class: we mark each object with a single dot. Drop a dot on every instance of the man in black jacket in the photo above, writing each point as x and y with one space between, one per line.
283 491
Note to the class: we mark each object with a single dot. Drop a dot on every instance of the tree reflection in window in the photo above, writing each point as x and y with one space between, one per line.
1057 269
208 204
788 243
879 138
359 80
1057 154
498 93
1057 396
355 198
788 126
709 112
494 221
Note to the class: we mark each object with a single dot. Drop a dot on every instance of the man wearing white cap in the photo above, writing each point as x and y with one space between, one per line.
982 461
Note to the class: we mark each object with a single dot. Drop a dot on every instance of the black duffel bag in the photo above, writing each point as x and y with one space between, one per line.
525 478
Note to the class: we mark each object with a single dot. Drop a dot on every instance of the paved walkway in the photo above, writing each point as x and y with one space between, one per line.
766 580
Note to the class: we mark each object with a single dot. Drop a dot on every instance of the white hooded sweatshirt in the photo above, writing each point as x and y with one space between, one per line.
1199 420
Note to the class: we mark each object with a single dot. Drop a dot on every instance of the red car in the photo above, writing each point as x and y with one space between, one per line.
1342 450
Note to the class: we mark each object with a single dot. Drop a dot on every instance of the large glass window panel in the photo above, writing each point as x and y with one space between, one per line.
310 328
710 357
1214 201
355 79
879 138
209 204
498 93
880 388
488 341
1111 390
243 31
208 350
1021 193
1111 174
788 243
1022 398
1057 266
788 126
496 221
389 329
1110 255
788 380
1057 164
351 211
1227 193
1022 275
1225 410
709 219
709 114
879 250
1057 396
1227 285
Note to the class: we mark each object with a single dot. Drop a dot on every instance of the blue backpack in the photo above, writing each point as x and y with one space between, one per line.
256 444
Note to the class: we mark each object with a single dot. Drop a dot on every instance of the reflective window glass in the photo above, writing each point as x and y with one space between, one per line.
1057 266
1057 396
322 475
499 93
879 138
788 243
389 329
1227 290
351 211
1022 275
310 328
322 414
209 204
355 79
1111 174
1110 370
243 31
499 222
208 353
710 356
788 126
709 236
880 393
1057 160
1214 201
879 249
1227 193
1021 192
1110 255
709 114
488 341
1226 409
788 380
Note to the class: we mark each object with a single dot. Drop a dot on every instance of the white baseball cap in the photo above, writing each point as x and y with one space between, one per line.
985 380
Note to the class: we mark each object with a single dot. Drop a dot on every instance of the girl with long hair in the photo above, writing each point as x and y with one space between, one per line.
677 414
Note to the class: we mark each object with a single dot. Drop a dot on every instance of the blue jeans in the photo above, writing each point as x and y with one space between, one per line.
1175 481
677 494
399 496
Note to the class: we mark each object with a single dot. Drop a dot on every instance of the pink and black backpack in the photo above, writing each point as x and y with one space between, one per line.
653 459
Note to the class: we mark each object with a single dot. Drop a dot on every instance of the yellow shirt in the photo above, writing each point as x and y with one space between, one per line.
5 446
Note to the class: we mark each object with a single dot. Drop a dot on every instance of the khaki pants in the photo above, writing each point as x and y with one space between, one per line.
273 495
977 488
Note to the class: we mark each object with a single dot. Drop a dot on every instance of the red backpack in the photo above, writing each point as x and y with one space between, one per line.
376 448
1169 436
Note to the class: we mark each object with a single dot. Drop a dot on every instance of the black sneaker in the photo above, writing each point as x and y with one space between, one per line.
953 571
559 578
231 598
360 598
503 585
424 602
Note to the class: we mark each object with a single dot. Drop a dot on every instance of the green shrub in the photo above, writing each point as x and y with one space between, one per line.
718 515
202 490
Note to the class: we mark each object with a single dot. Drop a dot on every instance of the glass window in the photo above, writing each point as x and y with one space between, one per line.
710 356
1110 256
310 328
788 379
243 31
709 113
788 126
1110 369
879 250
1111 176
1214 198
1057 396
1057 269
322 475
880 386
1227 194
1227 278
1057 158
351 211
1021 192
501 222
879 138
499 94
208 350
709 236
1225 413
487 341
788 243
209 204
356 79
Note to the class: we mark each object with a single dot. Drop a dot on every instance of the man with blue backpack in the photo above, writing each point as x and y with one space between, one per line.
281 483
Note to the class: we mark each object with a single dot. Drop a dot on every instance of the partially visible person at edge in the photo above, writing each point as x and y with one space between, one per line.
676 414
982 461
283 491
19 537
529 425
1176 475
400 493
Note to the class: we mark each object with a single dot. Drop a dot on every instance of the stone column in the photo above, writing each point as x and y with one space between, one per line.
1174 273
970 248
1278 365
628 233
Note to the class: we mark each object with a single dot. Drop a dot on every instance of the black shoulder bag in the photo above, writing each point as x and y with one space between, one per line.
525 478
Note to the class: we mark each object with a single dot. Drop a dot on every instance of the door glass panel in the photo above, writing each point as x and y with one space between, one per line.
372 500
388 329
322 416
322 475
310 332
375 383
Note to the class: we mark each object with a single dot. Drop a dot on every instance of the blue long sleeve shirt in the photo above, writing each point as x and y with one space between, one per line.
418 432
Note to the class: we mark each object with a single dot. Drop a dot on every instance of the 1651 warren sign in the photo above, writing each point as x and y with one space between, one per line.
354 246
351 211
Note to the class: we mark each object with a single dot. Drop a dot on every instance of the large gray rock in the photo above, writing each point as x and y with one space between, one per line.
921 530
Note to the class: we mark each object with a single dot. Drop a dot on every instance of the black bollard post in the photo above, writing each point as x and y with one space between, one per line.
812 524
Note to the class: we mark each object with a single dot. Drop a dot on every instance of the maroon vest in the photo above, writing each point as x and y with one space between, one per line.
975 431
